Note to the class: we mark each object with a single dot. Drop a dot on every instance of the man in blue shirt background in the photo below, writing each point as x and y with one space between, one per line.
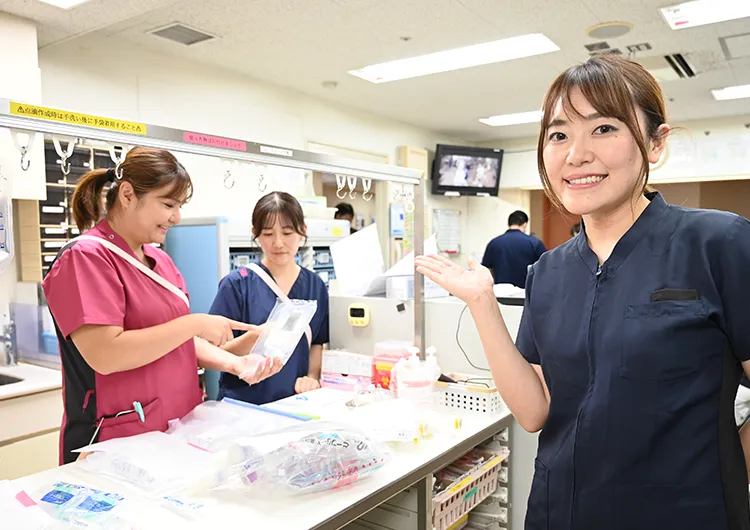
509 255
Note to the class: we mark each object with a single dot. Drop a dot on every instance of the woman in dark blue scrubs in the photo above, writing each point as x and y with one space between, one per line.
635 333
279 228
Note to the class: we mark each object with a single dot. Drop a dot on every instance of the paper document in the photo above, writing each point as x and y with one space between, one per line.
508 290
19 511
405 266
358 261
316 403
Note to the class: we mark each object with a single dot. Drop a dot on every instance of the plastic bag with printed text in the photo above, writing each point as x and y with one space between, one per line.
82 507
315 457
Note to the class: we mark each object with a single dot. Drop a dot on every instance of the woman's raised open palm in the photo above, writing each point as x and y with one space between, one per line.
466 284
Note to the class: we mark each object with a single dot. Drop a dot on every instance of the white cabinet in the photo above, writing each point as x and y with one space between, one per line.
30 455
29 433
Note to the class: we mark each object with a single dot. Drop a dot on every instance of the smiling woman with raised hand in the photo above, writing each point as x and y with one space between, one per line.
634 333
130 348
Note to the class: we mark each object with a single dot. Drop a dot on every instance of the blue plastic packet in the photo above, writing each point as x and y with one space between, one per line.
80 506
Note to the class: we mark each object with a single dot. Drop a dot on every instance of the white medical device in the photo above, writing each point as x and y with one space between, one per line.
6 223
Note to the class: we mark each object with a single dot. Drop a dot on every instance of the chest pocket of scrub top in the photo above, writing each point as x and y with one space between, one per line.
666 340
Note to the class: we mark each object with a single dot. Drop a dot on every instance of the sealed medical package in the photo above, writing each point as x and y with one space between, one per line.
153 462
318 456
216 425
286 325
81 506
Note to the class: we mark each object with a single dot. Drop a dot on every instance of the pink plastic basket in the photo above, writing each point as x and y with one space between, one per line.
451 506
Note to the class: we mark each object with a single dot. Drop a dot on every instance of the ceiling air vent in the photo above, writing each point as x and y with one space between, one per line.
680 65
667 67
182 34
597 47
613 51
601 48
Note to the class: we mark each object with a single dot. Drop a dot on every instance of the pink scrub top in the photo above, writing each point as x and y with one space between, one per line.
89 284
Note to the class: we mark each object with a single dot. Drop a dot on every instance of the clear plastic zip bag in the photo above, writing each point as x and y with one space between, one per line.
284 328
316 457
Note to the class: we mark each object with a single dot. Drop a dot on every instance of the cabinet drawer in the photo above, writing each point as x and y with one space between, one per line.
392 517
53 245
29 456
55 197
52 215
406 500
54 232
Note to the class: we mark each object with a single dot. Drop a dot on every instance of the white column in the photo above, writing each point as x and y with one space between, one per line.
20 80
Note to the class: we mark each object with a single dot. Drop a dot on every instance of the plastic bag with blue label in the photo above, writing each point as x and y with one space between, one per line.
82 507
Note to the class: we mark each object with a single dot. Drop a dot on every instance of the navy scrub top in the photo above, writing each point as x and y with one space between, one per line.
244 296
510 254
642 359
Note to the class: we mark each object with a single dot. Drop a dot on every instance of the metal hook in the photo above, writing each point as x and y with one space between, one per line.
64 155
366 185
25 162
261 186
227 179
352 181
340 184
24 149
118 160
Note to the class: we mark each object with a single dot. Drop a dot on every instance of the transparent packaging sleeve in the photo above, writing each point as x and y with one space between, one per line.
319 456
81 506
285 326
154 463
216 425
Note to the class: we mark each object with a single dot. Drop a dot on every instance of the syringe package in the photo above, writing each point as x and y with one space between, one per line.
286 325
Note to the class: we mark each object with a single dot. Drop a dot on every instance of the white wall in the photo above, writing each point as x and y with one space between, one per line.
697 151
110 77
19 79
105 76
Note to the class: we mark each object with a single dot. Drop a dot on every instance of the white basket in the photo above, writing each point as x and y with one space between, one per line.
474 396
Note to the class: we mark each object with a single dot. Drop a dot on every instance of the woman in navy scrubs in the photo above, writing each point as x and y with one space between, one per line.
249 295
635 333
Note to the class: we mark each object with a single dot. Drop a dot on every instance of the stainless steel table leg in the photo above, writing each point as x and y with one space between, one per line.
424 503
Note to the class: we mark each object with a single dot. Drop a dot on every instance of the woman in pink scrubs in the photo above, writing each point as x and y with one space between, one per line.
120 306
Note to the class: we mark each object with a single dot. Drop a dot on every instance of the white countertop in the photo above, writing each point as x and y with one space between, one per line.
290 513
35 379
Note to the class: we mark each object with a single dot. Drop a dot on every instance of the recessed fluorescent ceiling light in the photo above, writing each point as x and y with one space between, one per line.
64 4
701 12
732 92
513 119
445 61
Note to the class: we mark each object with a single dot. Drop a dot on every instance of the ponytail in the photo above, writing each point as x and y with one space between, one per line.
145 169
88 204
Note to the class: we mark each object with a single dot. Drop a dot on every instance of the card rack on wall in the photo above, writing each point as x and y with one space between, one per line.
46 226
447 227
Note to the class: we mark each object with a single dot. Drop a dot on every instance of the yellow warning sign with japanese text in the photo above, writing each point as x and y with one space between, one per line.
75 118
